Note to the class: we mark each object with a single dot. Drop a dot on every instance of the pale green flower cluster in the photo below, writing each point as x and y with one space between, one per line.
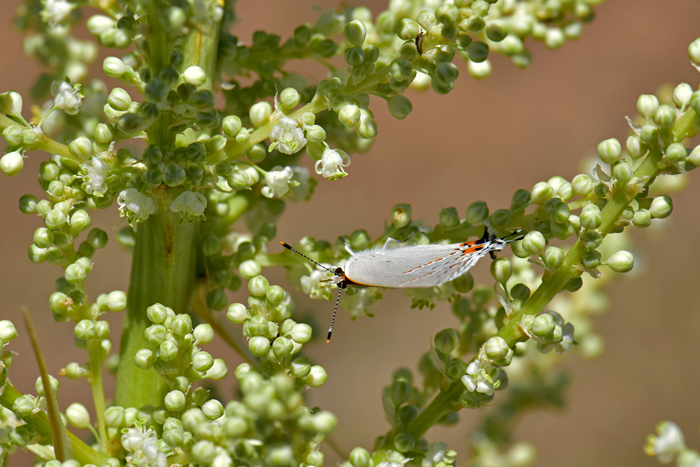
208 162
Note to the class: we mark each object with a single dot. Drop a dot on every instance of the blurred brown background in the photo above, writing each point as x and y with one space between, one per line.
481 142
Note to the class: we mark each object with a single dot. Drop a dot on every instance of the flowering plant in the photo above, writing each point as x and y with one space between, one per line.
201 184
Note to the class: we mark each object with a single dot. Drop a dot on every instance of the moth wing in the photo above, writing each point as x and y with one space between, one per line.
412 266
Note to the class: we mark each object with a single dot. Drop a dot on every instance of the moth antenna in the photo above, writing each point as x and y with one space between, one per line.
289 247
330 330
519 233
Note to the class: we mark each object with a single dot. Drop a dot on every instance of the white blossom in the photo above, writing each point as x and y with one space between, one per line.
332 163
66 97
144 446
286 136
135 205
190 204
133 438
56 11
479 378
277 182
312 284
96 176
668 444
438 454
394 459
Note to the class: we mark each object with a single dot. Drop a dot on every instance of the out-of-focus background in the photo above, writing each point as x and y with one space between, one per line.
481 142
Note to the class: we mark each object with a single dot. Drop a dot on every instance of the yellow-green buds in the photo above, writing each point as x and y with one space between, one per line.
500 218
647 105
501 270
259 345
541 192
664 116
642 218
609 150
449 218
534 242
622 261
445 341
231 125
694 51
591 217
260 113
13 134
675 153
349 115
581 185
12 163
635 147
144 359
11 103
194 75
355 32
399 106
543 326
75 273
237 313
496 348
661 207
317 377
80 221
477 212
78 415
401 215
681 95
175 401
300 333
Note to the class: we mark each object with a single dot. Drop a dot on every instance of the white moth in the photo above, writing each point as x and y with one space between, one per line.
411 266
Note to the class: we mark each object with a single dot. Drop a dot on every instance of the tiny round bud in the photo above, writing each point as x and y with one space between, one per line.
609 150
213 409
203 334
591 217
237 313
581 185
180 325
496 348
496 31
445 341
218 371
647 105
144 359
553 257
231 125
114 67
75 273
14 135
80 221
315 134
174 175
249 269
661 207
259 345
175 401
500 218
258 286
301 333
167 351
675 153
355 32
349 115
501 270
642 218
194 75
543 326
157 313
300 367
202 361
359 458
541 192
78 415
260 113
682 94
317 377
622 261
449 217
477 212
11 163
43 237
520 292
534 242
399 106
119 100
114 416
401 215
7 331
694 51
282 347
635 148
665 116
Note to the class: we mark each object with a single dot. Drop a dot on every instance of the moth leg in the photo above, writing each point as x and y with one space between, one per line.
492 254
390 241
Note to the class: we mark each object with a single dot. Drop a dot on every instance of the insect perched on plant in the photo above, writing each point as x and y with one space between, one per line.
397 265
419 42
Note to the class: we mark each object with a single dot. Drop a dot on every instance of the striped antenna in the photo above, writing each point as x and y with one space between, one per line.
330 330
289 247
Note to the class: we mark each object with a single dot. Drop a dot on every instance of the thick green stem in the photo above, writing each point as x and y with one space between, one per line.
162 272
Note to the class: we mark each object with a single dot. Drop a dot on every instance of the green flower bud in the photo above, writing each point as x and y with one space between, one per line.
258 286
103 133
565 191
37 255
404 442
590 259
622 261
80 221
7 332
75 273
354 56
315 459
592 239
11 163
194 75
648 134
43 237
682 94
259 345
231 125
249 269
675 153
282 347
591 217
203 452
647 105
11 103
543 326
213 409
500 218
202 361
661 207
581 185
477 212
349 116
260 113
317 377
665 116
39 385
23 405
407 29
114 416
496 348
501 270
642 218
521 291
49 170
85 330
449 218
13 134
300 367
180 325
534 242
144 359
401 215
355 32
541 192
257 153
445 341
119 100
29 137
237 313
635 148
694 51
167 351
359 458
496 31
609 150
315 133
301 333
203 334
175 401
477 52
235 427
157 313
399 106
174 175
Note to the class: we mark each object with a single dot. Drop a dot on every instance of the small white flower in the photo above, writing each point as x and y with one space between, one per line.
567 339
479 378
277 182
312 284
360 302
667 445
438 454
133 438
66 97
332 163
394 459
286 136
190 205
135 205
96 176
56 11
